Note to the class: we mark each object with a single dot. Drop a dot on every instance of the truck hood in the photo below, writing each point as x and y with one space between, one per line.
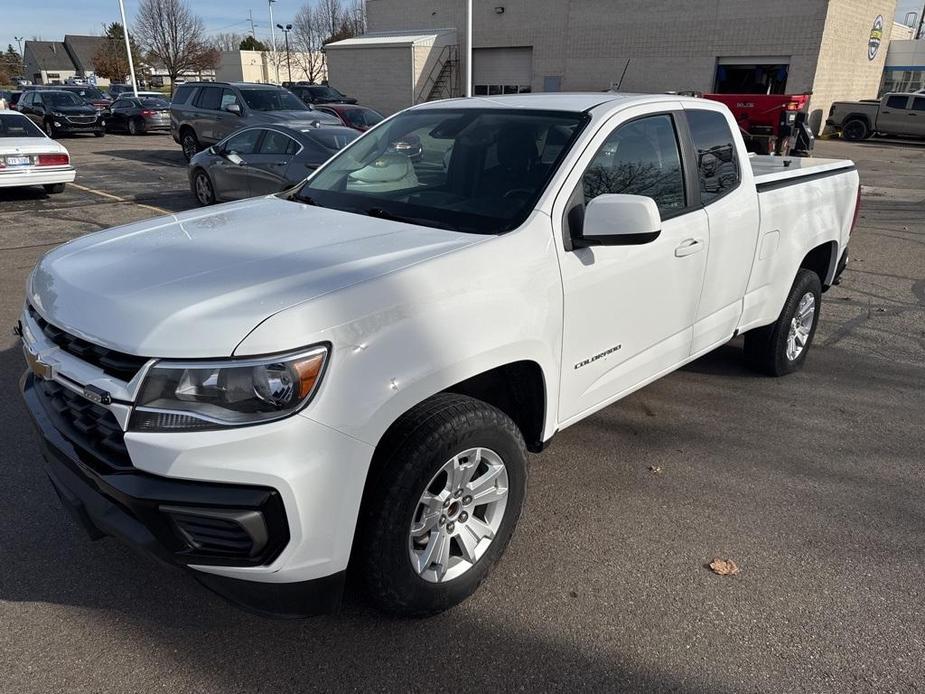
195 284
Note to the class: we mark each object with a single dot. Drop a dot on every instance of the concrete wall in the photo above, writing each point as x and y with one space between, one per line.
845 70
259 66
380 77
662 44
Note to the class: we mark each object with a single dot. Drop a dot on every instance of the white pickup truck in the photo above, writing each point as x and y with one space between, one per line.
350 374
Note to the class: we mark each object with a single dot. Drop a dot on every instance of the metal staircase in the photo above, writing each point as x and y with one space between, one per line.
443 80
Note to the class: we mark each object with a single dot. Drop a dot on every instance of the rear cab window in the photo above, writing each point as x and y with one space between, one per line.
182 95
717 158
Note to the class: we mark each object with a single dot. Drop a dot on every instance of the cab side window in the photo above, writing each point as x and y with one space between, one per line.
229 97
898 102
210 98
717 160
275 142
640 158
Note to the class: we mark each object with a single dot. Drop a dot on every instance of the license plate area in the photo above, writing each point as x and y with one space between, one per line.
19 161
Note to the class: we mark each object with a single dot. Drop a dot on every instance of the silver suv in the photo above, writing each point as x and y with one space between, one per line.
202 113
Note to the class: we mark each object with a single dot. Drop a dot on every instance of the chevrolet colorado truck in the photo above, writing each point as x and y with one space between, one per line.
350 374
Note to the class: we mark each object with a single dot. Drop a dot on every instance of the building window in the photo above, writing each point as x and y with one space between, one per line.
902 80
751 79
54 75
498 89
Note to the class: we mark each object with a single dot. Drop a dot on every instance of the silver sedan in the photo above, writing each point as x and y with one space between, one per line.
262 160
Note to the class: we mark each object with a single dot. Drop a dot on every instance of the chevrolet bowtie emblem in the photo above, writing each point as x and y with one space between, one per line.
45 370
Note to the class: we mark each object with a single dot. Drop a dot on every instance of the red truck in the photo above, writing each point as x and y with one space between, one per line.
771 123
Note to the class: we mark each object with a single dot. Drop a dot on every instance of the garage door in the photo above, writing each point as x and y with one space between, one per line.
502 70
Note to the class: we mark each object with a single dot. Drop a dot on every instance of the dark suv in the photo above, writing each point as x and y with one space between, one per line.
58 112
320 94
202 113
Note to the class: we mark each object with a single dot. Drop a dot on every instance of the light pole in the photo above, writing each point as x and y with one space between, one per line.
128 50
22 58
286 29
273 40
468 47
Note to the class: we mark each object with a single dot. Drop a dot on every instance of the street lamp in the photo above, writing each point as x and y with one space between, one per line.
128 50
469 48
286 29
273 39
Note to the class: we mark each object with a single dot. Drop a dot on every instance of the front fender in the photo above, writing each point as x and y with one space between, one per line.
401 338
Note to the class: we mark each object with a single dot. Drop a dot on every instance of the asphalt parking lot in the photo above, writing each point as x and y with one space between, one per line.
813 484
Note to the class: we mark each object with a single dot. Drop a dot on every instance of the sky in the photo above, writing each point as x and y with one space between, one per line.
51 19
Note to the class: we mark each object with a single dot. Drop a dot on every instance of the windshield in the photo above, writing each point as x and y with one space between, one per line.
272 100
331 139
471 170
362 117
325 92
62 99
18 126
87 92
154 103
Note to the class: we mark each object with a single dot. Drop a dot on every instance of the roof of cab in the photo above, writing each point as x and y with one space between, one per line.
557 101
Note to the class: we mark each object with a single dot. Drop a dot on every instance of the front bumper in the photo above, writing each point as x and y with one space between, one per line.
148 512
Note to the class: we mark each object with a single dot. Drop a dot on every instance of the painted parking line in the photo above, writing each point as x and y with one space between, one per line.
104 194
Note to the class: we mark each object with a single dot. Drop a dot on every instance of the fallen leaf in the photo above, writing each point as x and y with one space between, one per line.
724 567
655 469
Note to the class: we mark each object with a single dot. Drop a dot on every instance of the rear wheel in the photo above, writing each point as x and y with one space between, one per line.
442 507
203 189
133 128
99 133
855 129
780 348
54 188
50 130
189 143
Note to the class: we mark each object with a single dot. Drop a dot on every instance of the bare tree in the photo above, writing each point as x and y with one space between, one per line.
175 37
309 33
227 42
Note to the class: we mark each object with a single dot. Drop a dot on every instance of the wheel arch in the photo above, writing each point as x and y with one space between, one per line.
855 115
823 260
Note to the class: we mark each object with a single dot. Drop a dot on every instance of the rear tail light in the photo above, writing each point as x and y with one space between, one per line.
793 106
54 160
857 211
147 113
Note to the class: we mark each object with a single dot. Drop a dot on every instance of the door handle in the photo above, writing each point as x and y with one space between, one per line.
689 247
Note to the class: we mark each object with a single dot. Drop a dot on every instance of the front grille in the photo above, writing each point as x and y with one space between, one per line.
90 427
81 120
118 364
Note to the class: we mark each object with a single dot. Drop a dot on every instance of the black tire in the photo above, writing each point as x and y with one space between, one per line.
855 129
133 128
54 188
416 449
50 130
99 133
203 190
190 144
766 349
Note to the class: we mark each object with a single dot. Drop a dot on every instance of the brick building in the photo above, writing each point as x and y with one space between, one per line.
832 48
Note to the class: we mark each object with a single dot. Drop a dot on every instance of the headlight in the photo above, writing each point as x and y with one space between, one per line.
214 395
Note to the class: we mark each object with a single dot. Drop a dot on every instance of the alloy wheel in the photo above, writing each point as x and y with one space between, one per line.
801 325
204 193
458 515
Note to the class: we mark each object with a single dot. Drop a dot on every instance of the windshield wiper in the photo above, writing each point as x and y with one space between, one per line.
381 213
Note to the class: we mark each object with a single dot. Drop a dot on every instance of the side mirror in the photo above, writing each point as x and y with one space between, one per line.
234 108
618 220
234 158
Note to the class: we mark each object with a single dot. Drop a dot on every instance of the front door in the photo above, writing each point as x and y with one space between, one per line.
629 310
892 119
268 166
231 174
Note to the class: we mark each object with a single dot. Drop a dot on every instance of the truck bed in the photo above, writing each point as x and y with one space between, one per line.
772 172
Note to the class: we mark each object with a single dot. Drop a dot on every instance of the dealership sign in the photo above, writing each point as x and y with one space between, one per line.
876 36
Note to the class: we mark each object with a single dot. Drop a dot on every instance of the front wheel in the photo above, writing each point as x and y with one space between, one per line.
50 130
54 188
133 127
780 348
442 505
203 189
